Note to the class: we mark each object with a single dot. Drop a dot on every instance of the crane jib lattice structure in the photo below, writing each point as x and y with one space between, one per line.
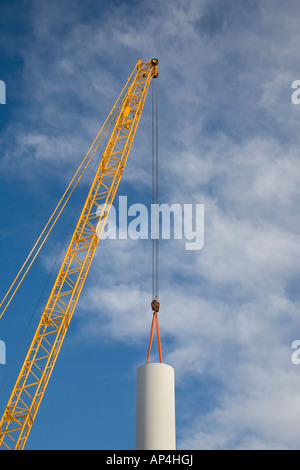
36 370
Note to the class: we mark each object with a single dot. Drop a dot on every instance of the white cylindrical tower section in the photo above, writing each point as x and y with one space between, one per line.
155 410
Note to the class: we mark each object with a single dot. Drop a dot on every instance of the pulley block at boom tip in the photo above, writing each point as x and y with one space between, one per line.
155 73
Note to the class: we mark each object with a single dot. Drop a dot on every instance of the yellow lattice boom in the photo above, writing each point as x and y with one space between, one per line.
36 370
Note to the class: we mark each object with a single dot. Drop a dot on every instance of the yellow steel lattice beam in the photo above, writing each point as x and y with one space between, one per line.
31 383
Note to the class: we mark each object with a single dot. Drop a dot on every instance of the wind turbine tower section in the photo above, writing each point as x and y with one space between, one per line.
155 410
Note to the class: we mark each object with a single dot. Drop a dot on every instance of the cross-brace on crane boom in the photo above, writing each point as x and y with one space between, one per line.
36 370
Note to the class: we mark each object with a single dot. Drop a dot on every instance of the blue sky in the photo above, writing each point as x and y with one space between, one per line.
228 139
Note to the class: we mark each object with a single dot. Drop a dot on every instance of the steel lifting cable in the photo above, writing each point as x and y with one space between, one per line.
44 235
10 293
155 221
155 231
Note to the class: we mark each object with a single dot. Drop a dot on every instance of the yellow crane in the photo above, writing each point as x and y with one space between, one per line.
28 391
